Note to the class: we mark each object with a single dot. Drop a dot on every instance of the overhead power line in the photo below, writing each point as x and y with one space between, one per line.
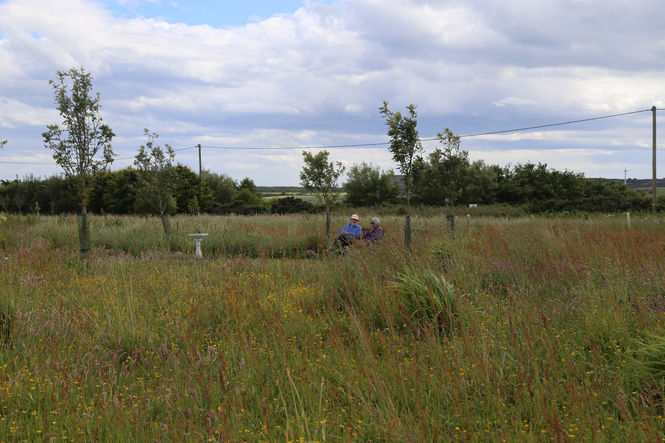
528 128
27 163
53 164
364 145
372 145
358 145
175 150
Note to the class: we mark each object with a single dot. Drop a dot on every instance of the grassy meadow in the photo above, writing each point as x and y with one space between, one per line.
527 329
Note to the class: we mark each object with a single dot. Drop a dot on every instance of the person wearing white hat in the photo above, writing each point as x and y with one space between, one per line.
351 231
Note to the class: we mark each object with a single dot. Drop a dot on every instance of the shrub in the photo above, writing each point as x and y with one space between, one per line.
290 205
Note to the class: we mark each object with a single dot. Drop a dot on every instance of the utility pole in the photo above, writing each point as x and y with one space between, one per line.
653 164
200 176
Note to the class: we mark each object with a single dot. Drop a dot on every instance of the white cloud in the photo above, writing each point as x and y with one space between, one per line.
514 101
318 75
560 159
14 113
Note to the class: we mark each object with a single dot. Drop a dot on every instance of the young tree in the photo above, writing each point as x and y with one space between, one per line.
320 177
81 138
404 142
156 179
3 143
406 149
442 178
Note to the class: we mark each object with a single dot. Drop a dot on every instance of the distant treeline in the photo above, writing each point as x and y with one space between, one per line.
535 188
115 192
453 180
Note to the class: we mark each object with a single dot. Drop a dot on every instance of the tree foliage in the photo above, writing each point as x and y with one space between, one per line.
247 200
186 187
442 178
367 185
405 144
82 136
290 205
480 184
320 177
248 184
113 192
154 191
222 189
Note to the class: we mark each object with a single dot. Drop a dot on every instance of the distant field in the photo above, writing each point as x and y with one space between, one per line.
306 197
270 192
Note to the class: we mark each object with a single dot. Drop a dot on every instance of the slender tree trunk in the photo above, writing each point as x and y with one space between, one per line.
327 227
407 232
166 224
84 226
84 233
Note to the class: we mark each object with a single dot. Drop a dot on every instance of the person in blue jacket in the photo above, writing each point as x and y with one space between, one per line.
351 231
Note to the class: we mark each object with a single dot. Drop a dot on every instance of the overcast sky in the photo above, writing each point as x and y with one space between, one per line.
291 73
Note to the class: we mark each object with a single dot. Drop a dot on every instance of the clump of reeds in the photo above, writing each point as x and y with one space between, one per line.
650 356
429 300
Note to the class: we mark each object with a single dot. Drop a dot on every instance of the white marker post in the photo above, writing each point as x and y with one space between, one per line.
197 241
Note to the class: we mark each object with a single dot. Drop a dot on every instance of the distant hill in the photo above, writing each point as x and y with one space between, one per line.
636 183
640 183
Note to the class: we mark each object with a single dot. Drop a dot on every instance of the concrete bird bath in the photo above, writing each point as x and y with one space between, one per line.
197 241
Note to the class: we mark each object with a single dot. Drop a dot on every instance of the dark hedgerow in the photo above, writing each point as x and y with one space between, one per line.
290 205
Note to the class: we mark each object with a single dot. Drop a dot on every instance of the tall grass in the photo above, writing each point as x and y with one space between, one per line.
516 329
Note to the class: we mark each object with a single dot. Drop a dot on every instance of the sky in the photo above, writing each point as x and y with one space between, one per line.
257 82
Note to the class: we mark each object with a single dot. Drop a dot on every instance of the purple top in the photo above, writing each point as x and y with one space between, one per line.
373 235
